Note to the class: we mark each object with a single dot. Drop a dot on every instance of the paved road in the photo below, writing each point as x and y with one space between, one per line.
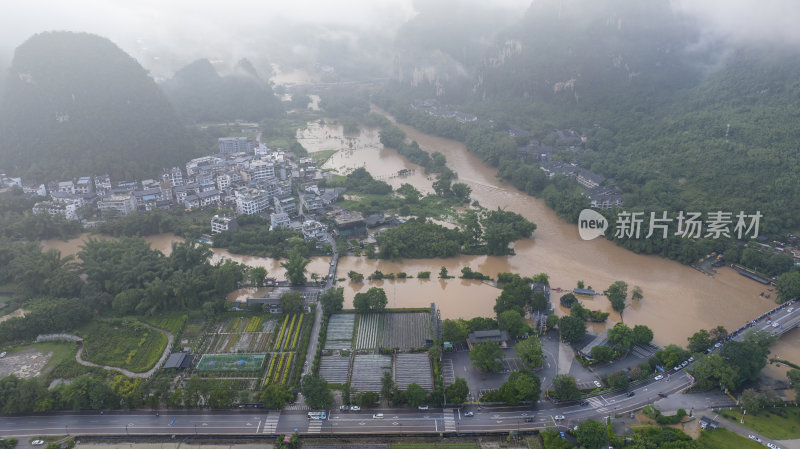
124 371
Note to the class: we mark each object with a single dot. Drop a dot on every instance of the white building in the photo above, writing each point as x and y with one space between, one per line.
66 186
84 185
251 201
313 230
117 204
223 223
102 183
174 176
68 210
279 221
262 170
223 181
228 145
284 204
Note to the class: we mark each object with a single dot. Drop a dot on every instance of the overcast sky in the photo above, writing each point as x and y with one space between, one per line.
180 31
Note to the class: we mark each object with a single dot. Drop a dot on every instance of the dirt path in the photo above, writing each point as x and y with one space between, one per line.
124 371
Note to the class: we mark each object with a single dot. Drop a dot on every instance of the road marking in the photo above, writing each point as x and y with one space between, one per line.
271 422
449 420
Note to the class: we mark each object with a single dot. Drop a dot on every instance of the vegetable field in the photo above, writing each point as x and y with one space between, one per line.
340 331
368 371
283 357
125 343
403 331
413 368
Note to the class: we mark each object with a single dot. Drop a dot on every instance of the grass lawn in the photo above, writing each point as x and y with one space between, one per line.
122 343
779 423
320 157
725 439
170 321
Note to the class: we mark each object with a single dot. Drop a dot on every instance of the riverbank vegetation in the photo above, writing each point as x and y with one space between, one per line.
254 238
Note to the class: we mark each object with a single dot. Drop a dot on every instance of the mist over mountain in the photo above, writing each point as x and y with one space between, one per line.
74 104
200 94
681 117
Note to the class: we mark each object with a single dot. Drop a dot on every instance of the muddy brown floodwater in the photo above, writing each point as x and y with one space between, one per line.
678 300
163 243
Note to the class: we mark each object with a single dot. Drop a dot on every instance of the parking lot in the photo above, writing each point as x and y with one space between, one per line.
457 364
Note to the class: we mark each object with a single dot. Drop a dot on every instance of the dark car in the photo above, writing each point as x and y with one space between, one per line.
584 403
529 419
631 393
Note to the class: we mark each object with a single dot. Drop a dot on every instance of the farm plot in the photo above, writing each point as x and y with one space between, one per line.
368 371
340 331
334 368
413 368
231 362
241 335
393 330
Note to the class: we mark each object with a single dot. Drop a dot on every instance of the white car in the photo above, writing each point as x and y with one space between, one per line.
776 324
558 417
772 446
754 438
3 354
790 310
691 359
469 414
423 407
377 416
355 408
37 442
597 384
684 363
659 377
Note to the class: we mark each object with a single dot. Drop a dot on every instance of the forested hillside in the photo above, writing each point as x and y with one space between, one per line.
74 104
678 121
200 94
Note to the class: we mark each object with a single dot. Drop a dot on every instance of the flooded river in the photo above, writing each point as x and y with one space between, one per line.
678 300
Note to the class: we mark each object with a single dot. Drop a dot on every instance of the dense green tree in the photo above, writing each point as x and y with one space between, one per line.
443 273
367 399
486 356
572 329
530 351
454 330
718 333
315 391
539 302
568 300
332 300
591 434
671 355
513 323
788 286
642 334
415 395
619 380
748 357
520 386
355 277
699 341
502 227
292 303
637 293
275 396
713 371
617 293
374 300
602 354
461 191
387 386
419 239
457 392
565 388
794 378
296 268
257 275
515 295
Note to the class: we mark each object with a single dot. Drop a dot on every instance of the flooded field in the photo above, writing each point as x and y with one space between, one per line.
163 243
